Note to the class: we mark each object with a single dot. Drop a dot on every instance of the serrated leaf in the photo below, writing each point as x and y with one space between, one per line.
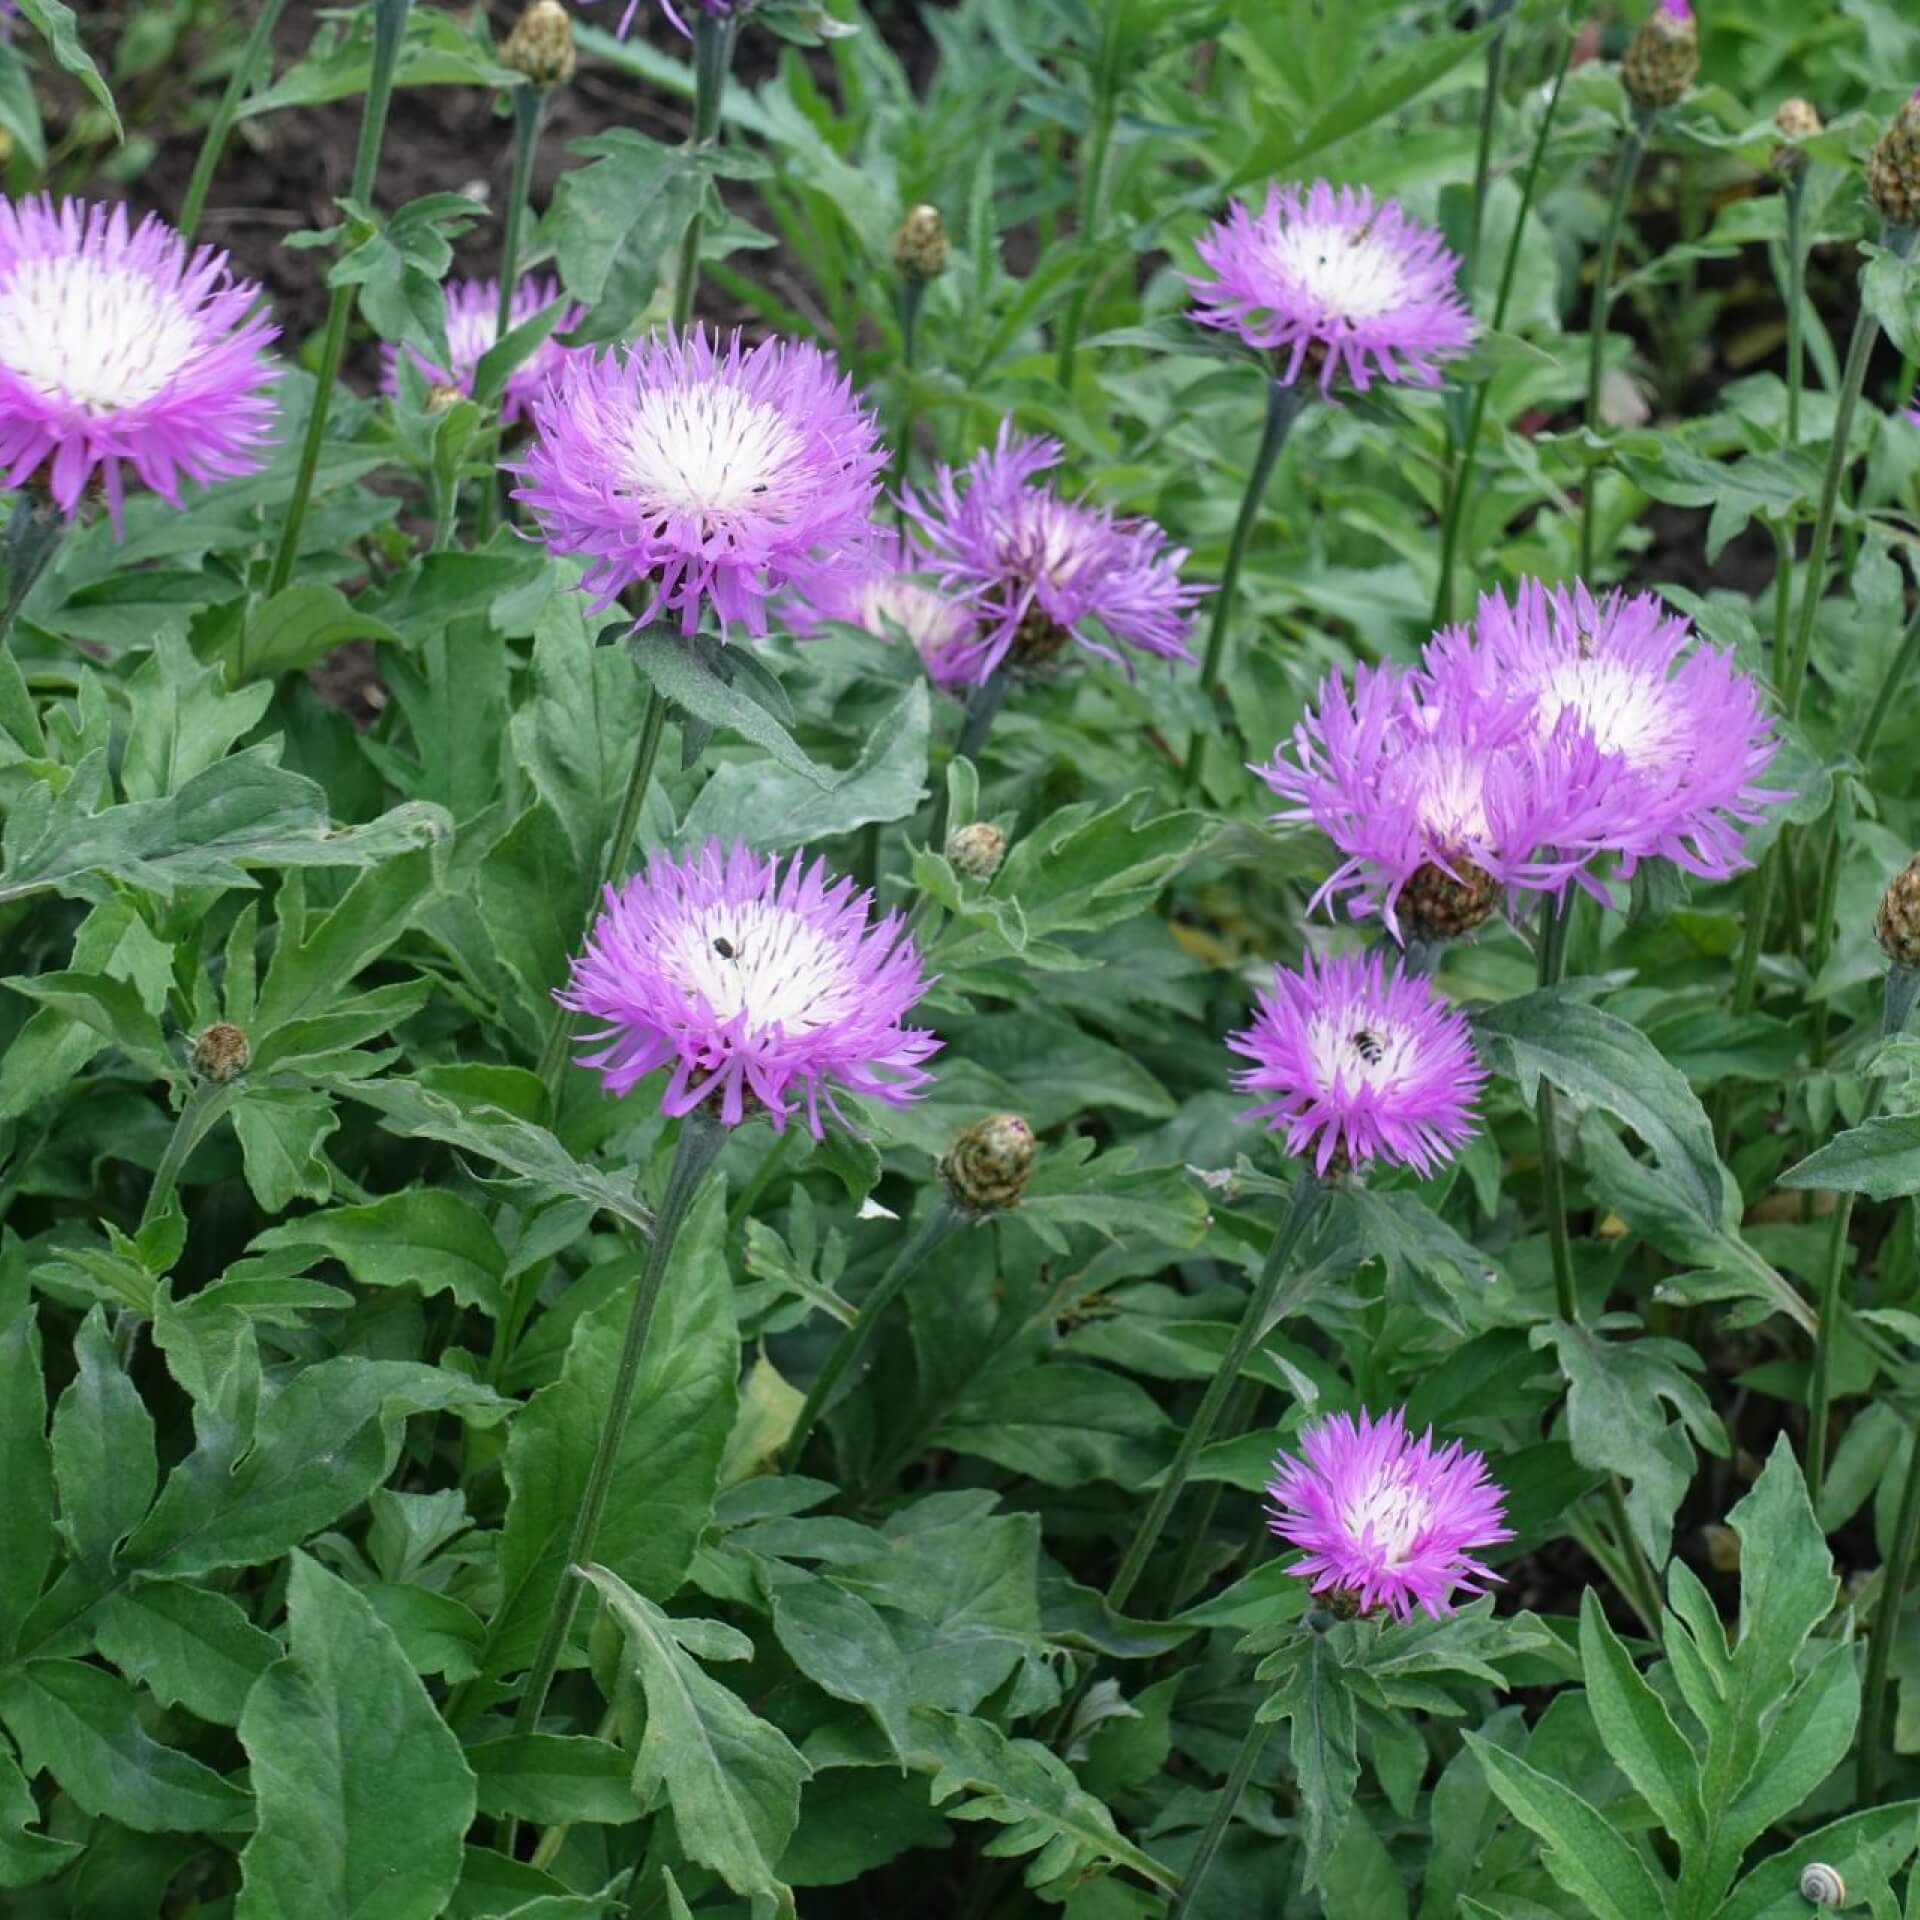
425 1237
103 1452
192 1647
61 31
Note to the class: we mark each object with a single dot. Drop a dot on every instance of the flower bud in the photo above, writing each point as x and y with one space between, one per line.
1797 120
1893 168
541 45
222 1052
1662 58
1898 921
442 397
987 1167
920 247
977 849
1436 905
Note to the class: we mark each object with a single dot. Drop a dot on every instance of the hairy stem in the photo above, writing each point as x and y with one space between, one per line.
35 529
1244 1762
712 56
1885 1630
239 85
1632 152
529 109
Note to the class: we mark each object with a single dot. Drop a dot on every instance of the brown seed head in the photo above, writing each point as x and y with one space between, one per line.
541 45
1797 120
1898 920
222 1052
1661 59
920 247
987 1168
1435 905
977 849
1893 168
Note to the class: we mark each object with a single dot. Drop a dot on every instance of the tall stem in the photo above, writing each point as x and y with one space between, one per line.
35 529
239 85
938 1224
1284 406
389 27
553 1057
1233 1423
1096 159
712 56
1885 1630
529 109
1795 189
1264 1310
913 295
1244 1762
1632 152
701 1137
1483 154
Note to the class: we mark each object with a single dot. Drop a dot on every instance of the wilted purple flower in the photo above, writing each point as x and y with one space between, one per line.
1448 788
883 588
1039 571
1362 1062
699 472
749 981
1689 734
116 347
473 316
1386 1519
1341 285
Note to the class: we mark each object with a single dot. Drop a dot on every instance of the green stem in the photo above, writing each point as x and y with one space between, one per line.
1833 1269
529 109
1284 406
389 27
1885 1630
1632 152
1640 1589
1483 155
712 56
1236 1420
745 1200
701 1137
913 1253
35 529
198 1117
913 294
1244 1762
553 1057
1795 190
239 85
1265 1309
1098 158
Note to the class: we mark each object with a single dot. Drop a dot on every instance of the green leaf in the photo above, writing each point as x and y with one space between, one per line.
1314 1698
184 720
612 223
732 1779
295 629
691 679
1361 1880
82 1725
26 1857
425 1237
1880 1158
20 116
191 1647
554 1778
1062 1424
61 31
27 1537
363 1792
844 1647
103 1455
1583 1850
438 50
436 1632
281 1131
1866 1848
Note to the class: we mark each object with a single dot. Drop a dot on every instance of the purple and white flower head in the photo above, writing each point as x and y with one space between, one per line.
473 317
1355 1064
1038 570
1336 284
758 987
1440 795
704 473
886 588
119 348
1688 734
1386 1521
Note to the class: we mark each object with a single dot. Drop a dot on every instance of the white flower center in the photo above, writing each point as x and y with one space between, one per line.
1348 271
1044 542
1626 709
471 333
1452 787
1390 1514
764 960
92 335
1349 1051
926 616
708 450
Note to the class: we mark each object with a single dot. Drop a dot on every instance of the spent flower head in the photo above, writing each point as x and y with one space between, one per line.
1357 1062
1036 570
1386 1520
473 328
540 47
760 987
885 586
1893 167
1336 285
120 348
702 472
1662 58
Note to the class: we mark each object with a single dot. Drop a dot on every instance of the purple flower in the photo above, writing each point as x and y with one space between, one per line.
1687 733
750 981
884 588
473 314
1676 9
1360 1062
1384 1518
116 347
1039 571
1345 286
1913 409
1444 785
699 472
720 9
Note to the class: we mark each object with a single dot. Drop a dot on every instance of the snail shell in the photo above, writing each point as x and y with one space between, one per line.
1822 1885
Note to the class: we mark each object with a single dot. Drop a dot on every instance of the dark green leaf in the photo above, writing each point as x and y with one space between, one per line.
554 1778
190 1646
426 1238
103 1456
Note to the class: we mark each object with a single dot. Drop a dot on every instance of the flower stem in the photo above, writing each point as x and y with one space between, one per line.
198 1117
701 1137
215 144
389 26
1632 152
1098 159
35 529
1833 1271
1244 1762
1233 1423
1794 189
1264 1310
712 56
913 295
553 1057
529 110
1885 1630
913 1253
1483 154
1284 406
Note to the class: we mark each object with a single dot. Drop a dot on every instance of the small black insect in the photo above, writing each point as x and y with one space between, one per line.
1367 1045
725 949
